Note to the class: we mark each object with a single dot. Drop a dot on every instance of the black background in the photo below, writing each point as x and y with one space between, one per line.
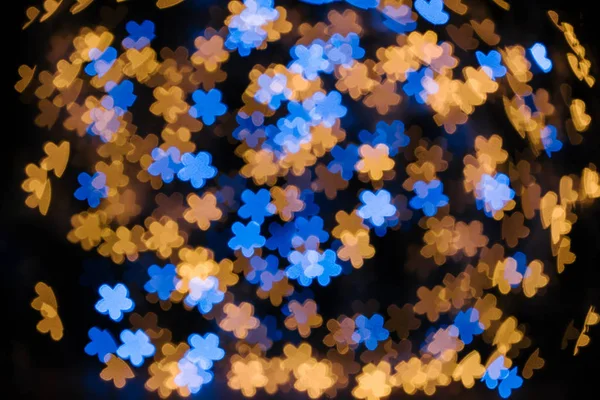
34 248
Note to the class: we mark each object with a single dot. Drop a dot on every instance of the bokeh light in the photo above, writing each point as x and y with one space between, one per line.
239 180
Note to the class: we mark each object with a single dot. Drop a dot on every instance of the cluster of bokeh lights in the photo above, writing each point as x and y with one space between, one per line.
296 162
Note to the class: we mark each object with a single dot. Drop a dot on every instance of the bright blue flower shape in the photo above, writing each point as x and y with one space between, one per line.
344 160
120 97
511 382
115 301
432 11
330 267
364 4
140 35
468 324
93 188
493 193
281 237
292 134
162 281
246 238
208 105
494 373
244 41
246 29
352 39
415 84
196 169
376 206
399 19
311 227
166 163
304 266
343 50
549 140
370 331
325 109
102 61
429 196
136 347
491 63
311 264
257 205
272 90
204 350
311 60
259 265
538 51
204 293
294 128
191 376
297 114
102 343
